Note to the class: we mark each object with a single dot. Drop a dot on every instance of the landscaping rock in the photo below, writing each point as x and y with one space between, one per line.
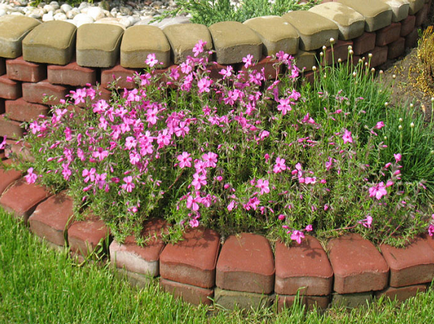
399 8
189 293
71 74
9 89
244 300
44 92
401 294
118 73
415 6
86 236
21 110
310 302
8 177
13 29
20 70
352 300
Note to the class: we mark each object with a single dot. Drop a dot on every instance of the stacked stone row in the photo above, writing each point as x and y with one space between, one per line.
243 270
51 58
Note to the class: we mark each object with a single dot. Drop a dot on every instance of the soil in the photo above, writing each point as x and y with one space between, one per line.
402 77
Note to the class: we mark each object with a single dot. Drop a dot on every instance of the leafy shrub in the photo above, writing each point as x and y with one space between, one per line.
237 154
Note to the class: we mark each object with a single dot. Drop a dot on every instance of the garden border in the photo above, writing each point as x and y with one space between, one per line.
198 268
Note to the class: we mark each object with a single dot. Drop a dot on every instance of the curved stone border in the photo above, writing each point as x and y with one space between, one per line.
349 271
243 270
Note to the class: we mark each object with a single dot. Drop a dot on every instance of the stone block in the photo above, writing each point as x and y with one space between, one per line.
303 268
140 41
21 199
351 24
2 66
233 41
52 42
352 300
379 56
396 49
275 33
415 6
189 293
118 73
71 74
135 279
410 40
357 265
192 260
20 150
305 60
422 15
2 106
388 34
407 25
377 14
44 92
364 43
246 264
243 300
10 128
20 70
21 110
266 63
401 294
310 302
93 50
183 37
51 218
315 34
411 265
140 259
8 177
399 9
338 51
9 89
13 29
86 236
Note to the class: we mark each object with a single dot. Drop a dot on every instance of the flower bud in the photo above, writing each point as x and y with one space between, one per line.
400 120
386 104
412 125
400 127
332 40
370 55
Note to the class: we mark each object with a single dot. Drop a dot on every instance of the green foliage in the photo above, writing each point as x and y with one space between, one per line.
209 12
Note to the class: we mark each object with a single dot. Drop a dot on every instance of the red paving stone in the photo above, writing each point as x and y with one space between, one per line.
303 266
310 302
20 70
140 259
8 177
22 110
22 198
84 236
402 293
246 264
9 89
10 128
193 260
189 293
411 265
71 74
340 51
51 217
388 34
357 265
364 44
396 49
407 25
116 72
44 92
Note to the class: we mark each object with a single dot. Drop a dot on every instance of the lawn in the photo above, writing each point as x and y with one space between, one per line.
41 285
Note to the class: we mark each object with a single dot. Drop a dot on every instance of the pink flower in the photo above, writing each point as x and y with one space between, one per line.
347 137
397 157
198 48
309 228
431 230
263 185
379 125
151 60
226 72
192 203
284 106
231 205
281 217
128 185
297 236
210 159
88 175
280 165
378 191
31 177
366 222
204 84
248 61
184 160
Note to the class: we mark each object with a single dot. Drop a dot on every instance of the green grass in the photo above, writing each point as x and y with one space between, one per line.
40 285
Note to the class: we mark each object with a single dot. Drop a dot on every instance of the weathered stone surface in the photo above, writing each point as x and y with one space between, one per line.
21 110
275 33
44 92
402 293
407 25
140 259
20 70
140 41
22 198
246 264
399 8
303 268
244 300
415 6
96 51
10 128
351 24
377 14
305 60
135 279
233 41
314 35
52 42
51 217
357 265
85 236
183 38
193 260
9 89
310 302
120 74
71 74
352 300
411 265
189 293
8 177
12 31
388 34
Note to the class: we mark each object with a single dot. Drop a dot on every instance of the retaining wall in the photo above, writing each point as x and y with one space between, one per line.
54 57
